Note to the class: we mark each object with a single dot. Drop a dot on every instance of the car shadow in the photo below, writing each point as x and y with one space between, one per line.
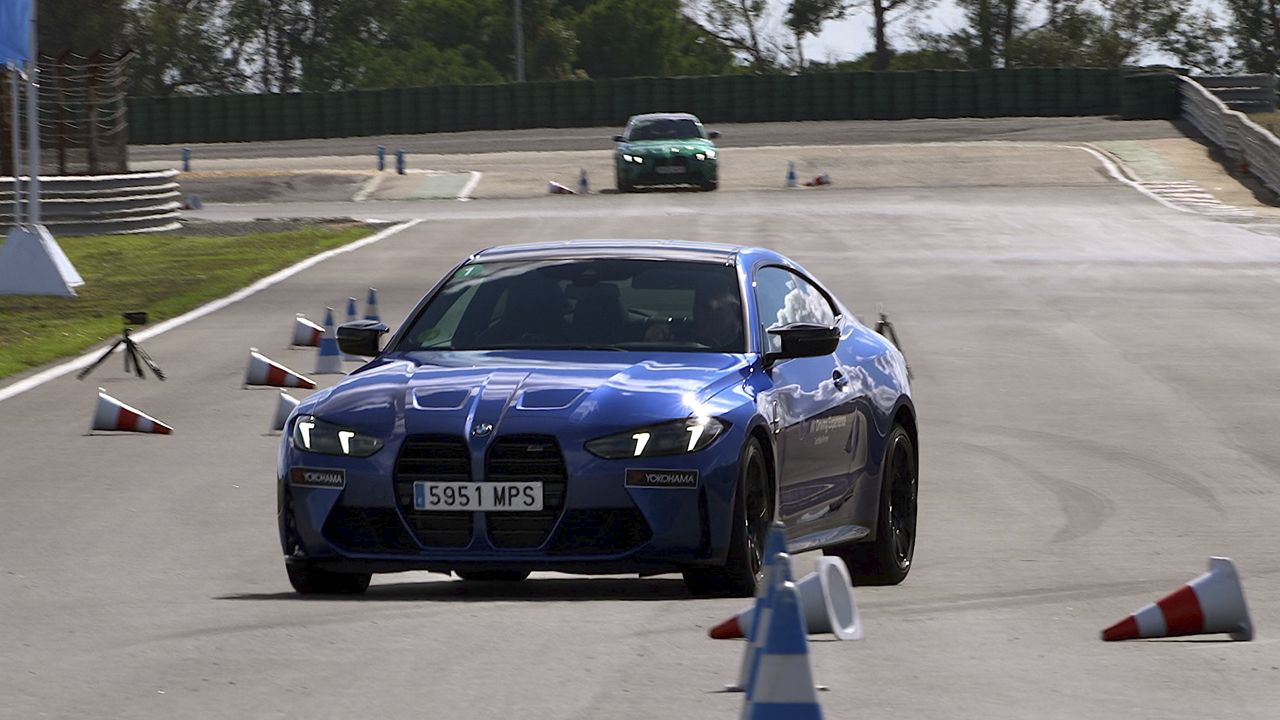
576 589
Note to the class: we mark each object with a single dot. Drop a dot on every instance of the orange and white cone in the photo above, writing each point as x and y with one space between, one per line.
264 371
1211 603
555 188
112 415
284 407
306 333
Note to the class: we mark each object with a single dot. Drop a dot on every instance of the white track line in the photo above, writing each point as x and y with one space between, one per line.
85 360
470 187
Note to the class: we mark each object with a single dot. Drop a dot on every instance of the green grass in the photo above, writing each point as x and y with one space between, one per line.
1270 121
165 275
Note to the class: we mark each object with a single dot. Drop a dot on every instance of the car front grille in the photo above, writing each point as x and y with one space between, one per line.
526 458
367 530
438 458
603 531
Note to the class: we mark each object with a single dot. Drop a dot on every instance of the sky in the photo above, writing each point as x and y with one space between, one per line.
850 38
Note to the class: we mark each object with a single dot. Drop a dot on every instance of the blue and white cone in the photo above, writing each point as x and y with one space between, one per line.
352 316
791 174
584 187
782 683
329 358
775 551
371 312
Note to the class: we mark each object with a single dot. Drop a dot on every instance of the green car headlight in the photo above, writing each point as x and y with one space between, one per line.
325 438
673 438
632 158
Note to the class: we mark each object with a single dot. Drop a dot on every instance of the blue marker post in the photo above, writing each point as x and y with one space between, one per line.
186 159
382 158
399 162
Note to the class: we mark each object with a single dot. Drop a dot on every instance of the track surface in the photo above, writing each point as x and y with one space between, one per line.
1095 376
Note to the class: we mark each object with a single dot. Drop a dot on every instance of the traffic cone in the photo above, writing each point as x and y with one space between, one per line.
306 333
826 596
823 179
112 415
584 187
775 552
371 312
1211 603
791 174
263 371
555 188
284 406
328 358
352 316
782 681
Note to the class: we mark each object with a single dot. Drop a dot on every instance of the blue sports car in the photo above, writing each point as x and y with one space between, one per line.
606 407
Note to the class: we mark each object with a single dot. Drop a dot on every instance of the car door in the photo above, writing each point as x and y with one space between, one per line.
812 401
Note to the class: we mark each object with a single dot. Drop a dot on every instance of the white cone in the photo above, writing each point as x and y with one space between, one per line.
262 370
306 333
112 415
555 188
826 597
284 406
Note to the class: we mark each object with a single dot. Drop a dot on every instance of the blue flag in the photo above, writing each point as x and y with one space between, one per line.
15 31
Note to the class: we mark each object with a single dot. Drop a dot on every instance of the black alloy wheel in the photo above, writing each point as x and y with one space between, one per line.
887 559
752 516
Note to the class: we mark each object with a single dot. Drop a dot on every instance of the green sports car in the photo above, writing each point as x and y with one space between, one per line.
665 149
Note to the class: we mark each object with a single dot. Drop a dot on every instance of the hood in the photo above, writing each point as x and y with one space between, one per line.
525 393
669 147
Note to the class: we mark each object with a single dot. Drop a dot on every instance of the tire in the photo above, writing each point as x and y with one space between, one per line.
887 559
753 512
709 185
624 186
308 579
492 575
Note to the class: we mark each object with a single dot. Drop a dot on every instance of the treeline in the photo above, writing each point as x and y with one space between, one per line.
234 46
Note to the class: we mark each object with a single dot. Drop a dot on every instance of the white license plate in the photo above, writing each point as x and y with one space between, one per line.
482 496
669 169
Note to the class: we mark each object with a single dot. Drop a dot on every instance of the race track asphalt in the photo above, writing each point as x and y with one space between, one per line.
1096 382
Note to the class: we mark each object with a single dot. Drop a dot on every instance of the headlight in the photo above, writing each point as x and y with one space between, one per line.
318 436
700 156
711 154
633 158
672 438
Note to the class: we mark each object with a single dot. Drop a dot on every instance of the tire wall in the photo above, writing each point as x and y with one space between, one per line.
595 103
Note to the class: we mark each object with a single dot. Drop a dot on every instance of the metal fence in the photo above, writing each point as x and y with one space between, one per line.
1253 147
1246 93
102 204
592 103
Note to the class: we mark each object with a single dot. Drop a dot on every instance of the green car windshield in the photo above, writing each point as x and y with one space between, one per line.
666 129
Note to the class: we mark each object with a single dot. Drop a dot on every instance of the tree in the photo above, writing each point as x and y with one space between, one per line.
806 17
746 26
1255 27
177 49
629 38
884 13
80 26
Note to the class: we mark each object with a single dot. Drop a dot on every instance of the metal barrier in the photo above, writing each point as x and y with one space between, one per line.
1246 93
102 204
1254 148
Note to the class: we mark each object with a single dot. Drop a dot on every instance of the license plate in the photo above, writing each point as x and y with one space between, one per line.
483 496
669 169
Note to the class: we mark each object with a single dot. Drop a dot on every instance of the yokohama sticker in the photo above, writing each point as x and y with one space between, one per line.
675 479
318 478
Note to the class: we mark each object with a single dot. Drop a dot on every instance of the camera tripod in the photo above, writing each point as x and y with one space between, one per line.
134 358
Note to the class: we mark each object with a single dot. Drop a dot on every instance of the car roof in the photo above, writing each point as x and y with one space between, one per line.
662 116
639 249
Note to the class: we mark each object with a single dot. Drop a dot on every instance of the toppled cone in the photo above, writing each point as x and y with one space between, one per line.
114 416
555 188
826 599
823 179
1211 603
284 407
306 333
263 371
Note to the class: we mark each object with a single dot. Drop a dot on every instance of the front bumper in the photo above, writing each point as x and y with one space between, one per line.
597 523
677 170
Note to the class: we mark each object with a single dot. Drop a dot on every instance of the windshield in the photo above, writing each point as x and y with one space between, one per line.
655 305
666 129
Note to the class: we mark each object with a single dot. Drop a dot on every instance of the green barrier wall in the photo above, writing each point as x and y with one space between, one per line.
592 103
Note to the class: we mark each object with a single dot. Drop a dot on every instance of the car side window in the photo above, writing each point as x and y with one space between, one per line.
783 297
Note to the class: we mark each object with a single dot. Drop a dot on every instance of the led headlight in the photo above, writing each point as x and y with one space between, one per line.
318 436
711 154
672 438
633 158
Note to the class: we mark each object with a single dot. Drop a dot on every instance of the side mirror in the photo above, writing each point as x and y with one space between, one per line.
714 135
361 337
617 138
804 340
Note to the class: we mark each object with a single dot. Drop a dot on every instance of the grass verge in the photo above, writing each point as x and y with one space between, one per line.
166 275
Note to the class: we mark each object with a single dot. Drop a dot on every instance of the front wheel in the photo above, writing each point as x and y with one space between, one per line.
887 559
752 515
307 579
